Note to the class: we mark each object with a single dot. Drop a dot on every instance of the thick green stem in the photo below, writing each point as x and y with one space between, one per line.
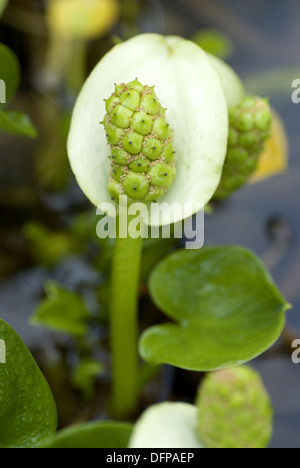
124 323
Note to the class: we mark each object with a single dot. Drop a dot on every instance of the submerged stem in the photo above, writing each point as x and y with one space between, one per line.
124 323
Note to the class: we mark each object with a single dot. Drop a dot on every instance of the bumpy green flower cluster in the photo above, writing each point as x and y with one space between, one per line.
249 127
142 154
234 410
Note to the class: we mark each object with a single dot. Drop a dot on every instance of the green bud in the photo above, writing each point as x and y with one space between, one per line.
133 142
140 165
114 134
249 128
142 153
117 172
152 148
234 410
120 116
136 186
161 174
131 100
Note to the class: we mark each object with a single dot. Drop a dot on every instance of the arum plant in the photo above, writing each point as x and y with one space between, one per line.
185 81
164 106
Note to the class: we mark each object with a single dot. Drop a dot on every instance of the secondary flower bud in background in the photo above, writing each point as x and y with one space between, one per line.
143 166
234 410
82 19
249 128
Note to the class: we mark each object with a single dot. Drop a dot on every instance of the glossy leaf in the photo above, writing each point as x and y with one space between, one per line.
9 71
172 425
105 434
225 306
27 408
62 311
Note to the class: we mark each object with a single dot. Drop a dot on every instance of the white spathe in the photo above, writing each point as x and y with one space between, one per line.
167 425
188 85
231 82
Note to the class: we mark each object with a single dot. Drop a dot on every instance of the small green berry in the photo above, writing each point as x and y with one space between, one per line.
161 174
133 142
119 90
161 129
263 120
152 148
167 153
139 165
114 188
114 134
111 103
154 195
142 123
233 137
119 156
136 85
150 104
237 155
120 116
245 122
130 99
117 172
135 186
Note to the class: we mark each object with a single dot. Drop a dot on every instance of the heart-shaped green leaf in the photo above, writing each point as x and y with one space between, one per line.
226 308
9 73
104 434
63 311
17 123
27 408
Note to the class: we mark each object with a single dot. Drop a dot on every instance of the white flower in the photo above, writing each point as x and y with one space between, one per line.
188 85
172 425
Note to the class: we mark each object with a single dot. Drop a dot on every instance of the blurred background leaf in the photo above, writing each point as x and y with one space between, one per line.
17 123
62 311
215 42
9 72
3 4
84 376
